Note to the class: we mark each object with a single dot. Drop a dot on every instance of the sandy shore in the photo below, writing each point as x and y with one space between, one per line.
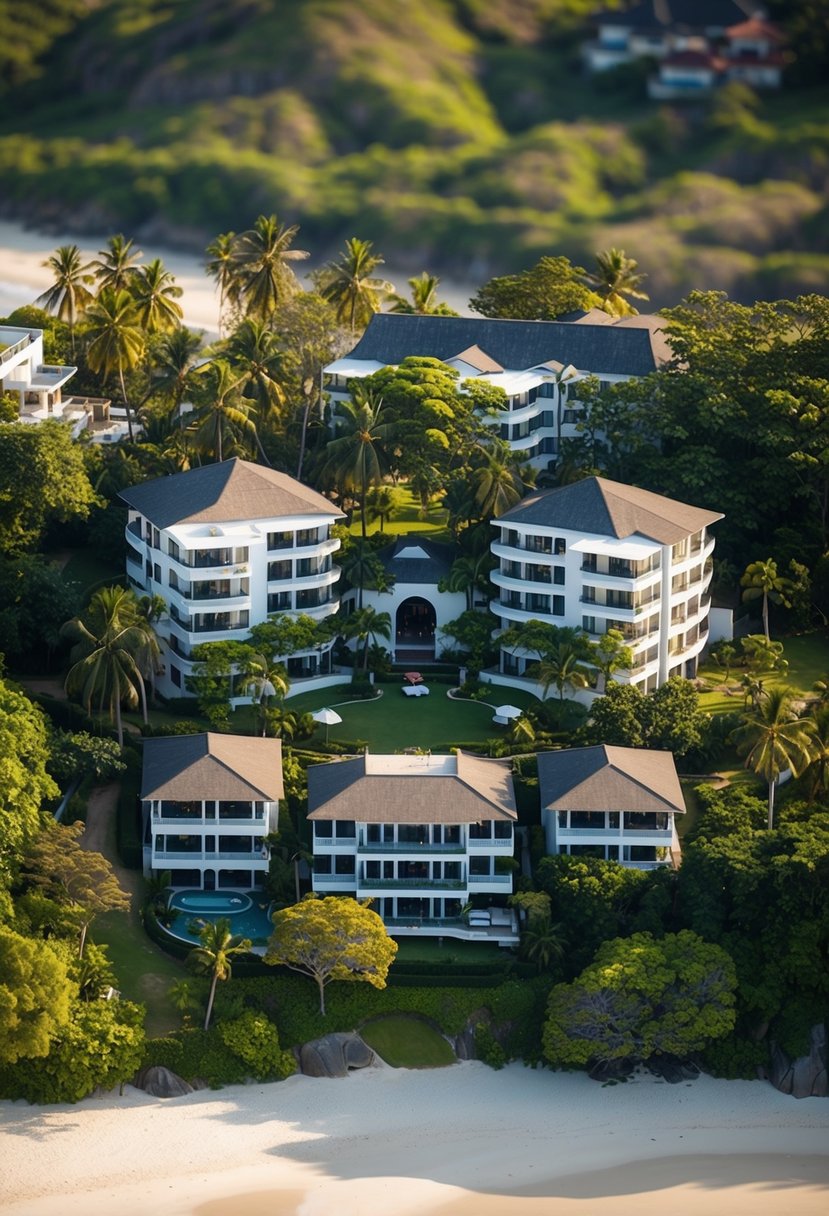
457 1141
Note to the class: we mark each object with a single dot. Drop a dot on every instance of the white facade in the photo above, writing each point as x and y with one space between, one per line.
640 840
209 844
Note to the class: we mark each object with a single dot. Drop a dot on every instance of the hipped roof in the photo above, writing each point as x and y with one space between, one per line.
606 778
223 768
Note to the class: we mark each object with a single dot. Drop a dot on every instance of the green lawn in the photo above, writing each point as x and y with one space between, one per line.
144 972
405 1042
392 722
431 950
407 519
808 659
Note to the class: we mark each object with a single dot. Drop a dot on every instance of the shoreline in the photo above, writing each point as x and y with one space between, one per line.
460 1141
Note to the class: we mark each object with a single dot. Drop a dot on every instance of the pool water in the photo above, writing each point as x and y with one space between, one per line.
248 913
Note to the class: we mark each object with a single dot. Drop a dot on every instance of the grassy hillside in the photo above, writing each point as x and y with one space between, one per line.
457 134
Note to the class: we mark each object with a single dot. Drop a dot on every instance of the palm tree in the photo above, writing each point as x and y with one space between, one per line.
469 573
762 579
498 486
69 295
350 286
265 679
821 687
819 767
109 639
221 268
156 293
774 738
357 458
382 502
174 360
115 268
617 280
562 666
260 261
221 418
543 942
424 299
253 352
115 338
213 956
361 568
366 624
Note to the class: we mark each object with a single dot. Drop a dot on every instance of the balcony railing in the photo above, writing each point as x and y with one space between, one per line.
502 880
391 884
397 847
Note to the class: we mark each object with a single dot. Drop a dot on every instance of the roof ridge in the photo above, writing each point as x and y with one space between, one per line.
647 788
235 773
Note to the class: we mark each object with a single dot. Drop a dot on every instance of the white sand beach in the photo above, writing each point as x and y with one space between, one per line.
456 1141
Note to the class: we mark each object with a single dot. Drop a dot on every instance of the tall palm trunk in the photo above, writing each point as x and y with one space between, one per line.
210 999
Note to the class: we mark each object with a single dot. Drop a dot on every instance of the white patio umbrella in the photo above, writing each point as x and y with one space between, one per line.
508 711
328 717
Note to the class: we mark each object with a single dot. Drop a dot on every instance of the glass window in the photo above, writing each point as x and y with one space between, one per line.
344 864
345 829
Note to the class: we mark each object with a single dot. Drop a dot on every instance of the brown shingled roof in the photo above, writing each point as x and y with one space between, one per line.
224 768
606 778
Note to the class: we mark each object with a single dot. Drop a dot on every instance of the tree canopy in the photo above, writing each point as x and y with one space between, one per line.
43 480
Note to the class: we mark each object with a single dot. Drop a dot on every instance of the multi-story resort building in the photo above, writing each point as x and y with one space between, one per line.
536 363
209 802
615 803
421 836
599 555
225 546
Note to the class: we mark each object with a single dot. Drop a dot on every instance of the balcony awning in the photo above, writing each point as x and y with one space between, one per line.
627 550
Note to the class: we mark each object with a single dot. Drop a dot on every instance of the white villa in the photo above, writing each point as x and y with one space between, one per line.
536 363
421 836
226 545
599 555
208 802
615 803
39 387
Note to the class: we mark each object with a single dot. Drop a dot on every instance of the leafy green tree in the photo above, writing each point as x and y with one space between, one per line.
115 339
156 296
35 600
212 680
550 289
473 633
214 956
80 754
24 780
332 938
543 943
641 997
617 717
424 301
43 479
617 280
34 996
611 654
762 580
254 1039
469 573
281 636
69 294
668 719
774 738
357 458
262 275
382 503
350 285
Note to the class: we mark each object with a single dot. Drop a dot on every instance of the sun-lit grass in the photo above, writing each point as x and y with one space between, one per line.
143 971
808 659
408 518
405 1042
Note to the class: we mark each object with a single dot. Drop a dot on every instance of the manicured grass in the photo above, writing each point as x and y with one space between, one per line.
407 1043
430 950
808 659
392 722
407 519
144 972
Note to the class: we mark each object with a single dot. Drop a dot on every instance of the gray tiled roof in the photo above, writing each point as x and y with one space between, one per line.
225 768
430 569
228 492
599 507
608 778
481 790
517 345
680 14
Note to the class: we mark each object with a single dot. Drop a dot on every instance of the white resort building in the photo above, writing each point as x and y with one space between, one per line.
39 387
421 836
208 803
615 803
226 546
599 555
536 363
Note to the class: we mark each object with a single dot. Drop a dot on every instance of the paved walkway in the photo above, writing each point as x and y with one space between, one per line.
100 837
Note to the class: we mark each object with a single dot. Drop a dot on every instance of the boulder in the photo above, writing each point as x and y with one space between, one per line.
333 1055
162 1082
805 1077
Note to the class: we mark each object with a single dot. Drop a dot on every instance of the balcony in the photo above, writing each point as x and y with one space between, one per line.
254 857
499 880
412 884
381 847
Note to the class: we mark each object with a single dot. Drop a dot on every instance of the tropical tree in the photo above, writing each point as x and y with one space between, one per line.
611 654
498 485
350 286
109 639
617 280
819 765
69 294
253 351
563 667
115 267
214 955
264 680
469 573
221 419
35 992
773 738
332 938
357 458
261 261
762 579
382 503
222 270
361 568
115 339
174 359
543 942
156 296
424 299
365 625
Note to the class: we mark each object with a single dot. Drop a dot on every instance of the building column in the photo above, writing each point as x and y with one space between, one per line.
665 613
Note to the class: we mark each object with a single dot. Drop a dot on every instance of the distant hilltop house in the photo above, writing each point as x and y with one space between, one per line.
536 363
614 803
420 836
225 546
598 555
698 45
39 387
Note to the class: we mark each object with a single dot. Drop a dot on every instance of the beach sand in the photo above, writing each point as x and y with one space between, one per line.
460 1141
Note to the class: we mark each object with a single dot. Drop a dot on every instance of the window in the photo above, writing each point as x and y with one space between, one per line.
279 601
322 865
345 829
323 829
279 570
173 550
503 831
307 536
479 865
560 546
280 540
558 575
344 864
175 675
557 608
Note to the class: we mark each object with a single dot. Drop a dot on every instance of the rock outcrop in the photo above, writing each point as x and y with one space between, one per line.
334 1055
162 1082
805 1077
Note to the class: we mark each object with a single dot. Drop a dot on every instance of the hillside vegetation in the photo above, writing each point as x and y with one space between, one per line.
456 134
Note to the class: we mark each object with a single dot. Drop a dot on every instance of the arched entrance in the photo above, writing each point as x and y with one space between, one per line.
414 635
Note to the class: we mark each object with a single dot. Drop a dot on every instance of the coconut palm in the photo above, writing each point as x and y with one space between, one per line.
260 261
366 625
115 340
253 352
213 957
498 486
762 579
221 418
173 362
424 299
562 666
156 296
382 502
265 679
362 568
774 738
543 942
350 286
109 639
617 280
115 267
69 294
222 270
469 573
357 458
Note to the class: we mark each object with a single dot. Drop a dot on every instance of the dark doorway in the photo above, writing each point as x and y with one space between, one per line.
415 627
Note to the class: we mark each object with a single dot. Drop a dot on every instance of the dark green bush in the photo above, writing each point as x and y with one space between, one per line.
488 1048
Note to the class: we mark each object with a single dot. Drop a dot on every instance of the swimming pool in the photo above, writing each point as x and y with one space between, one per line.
218 903
249 914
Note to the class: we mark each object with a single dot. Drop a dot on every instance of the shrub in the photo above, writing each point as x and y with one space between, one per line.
488 1048
254 1039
